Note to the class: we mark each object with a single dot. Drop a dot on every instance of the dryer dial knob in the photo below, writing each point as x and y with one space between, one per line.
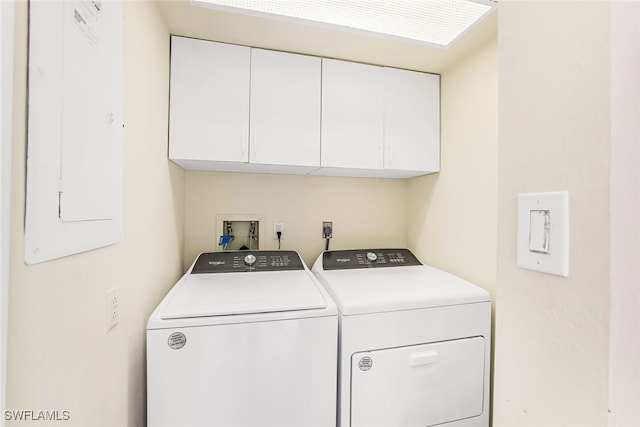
250 260
372 257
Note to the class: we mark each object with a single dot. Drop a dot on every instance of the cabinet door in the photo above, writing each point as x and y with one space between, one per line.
209 117
285 109
412 120
352 115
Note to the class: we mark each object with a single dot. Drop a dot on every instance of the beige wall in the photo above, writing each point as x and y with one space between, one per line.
60 355
433 214
552 333
624 362
6 134
452 216
365 212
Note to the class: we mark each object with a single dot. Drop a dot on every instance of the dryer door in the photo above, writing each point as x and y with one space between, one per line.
421 385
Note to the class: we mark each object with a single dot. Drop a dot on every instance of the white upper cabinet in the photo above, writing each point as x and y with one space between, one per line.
379 121
352 117
411 122
209 103
285 109
241 109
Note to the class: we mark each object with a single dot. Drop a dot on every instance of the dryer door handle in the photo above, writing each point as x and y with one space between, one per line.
426 358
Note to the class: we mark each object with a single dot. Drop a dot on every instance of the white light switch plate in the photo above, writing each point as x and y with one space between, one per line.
543 232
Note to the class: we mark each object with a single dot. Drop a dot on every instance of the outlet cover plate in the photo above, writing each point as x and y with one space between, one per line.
278 226
113 308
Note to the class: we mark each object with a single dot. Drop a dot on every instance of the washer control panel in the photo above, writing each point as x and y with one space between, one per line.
242 261
368 258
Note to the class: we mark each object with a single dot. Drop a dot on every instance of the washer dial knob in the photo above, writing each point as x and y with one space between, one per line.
372 257
250 260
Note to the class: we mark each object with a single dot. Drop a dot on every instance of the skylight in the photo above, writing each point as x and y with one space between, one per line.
433 22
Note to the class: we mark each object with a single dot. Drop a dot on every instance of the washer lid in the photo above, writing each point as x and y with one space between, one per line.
374 290
221 294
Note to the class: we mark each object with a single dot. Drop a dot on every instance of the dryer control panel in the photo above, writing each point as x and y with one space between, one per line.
243 261
368 258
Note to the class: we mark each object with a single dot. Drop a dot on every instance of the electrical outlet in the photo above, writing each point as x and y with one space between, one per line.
278 226
113 308
327 229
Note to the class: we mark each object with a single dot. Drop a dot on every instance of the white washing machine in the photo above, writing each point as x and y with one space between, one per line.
245 338
414 341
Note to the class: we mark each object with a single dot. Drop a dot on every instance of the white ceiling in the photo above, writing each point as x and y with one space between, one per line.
186 20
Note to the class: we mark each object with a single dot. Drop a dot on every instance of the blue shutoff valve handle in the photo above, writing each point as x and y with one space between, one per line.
225 239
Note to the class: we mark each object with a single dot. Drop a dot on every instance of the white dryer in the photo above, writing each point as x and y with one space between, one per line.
414 341
245 338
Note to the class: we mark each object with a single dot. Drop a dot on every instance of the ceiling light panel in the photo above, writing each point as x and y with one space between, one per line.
436 22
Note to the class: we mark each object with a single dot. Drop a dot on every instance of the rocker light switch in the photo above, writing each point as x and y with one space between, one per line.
539 231
543 232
